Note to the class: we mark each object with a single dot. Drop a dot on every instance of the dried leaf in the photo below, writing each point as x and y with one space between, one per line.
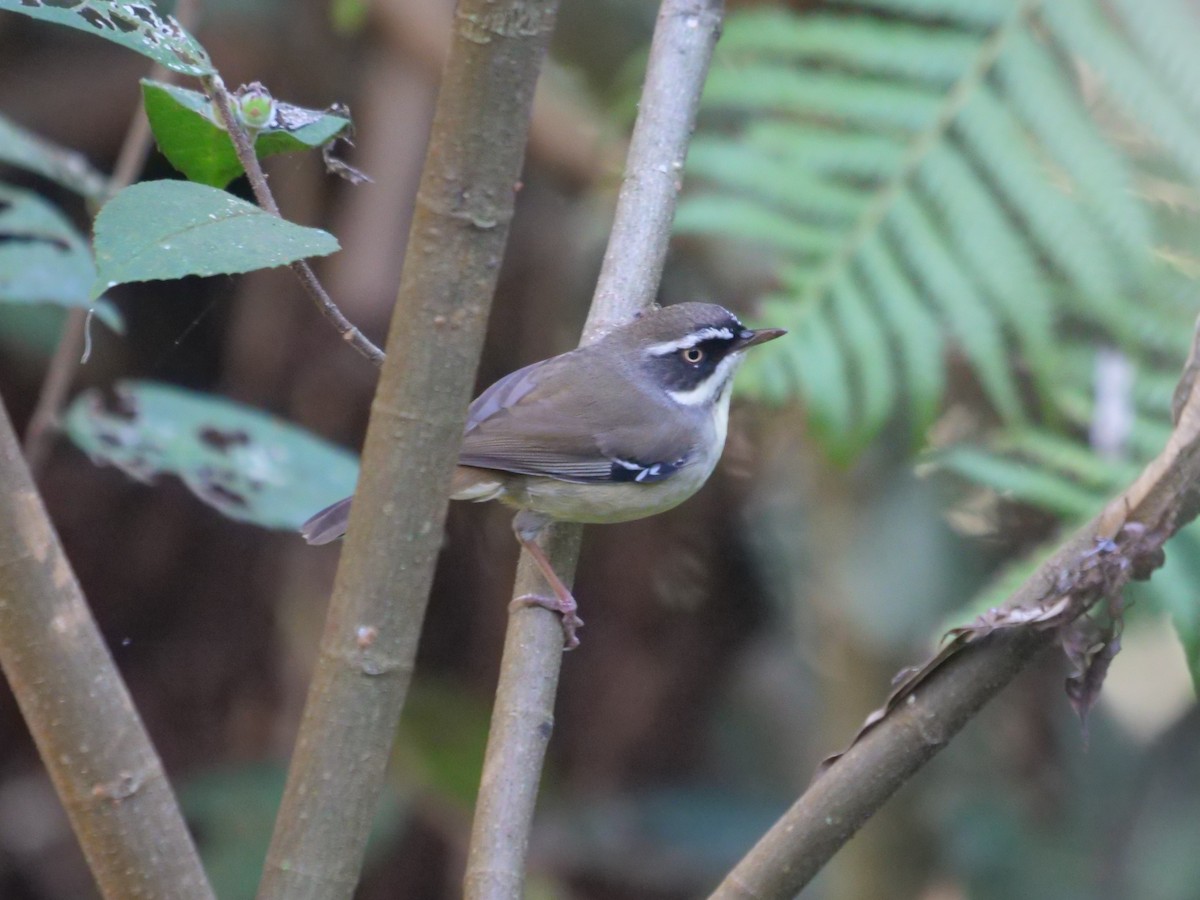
1091 648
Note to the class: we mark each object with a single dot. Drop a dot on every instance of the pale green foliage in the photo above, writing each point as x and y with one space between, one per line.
1004 183
940 175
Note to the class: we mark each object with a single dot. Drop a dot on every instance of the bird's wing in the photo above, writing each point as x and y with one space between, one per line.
518 425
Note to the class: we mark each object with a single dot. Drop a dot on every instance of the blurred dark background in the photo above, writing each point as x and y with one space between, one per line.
730 644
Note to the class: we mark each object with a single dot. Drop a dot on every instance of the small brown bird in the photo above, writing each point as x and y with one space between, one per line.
621 429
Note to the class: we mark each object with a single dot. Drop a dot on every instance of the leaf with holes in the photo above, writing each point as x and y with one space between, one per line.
26 150
245 463
169 229
192 139
138 26
43 259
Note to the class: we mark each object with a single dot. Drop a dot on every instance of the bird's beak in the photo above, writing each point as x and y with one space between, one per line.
761 336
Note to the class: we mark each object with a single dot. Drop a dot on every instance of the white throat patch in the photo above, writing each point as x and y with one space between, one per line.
708 390
666 348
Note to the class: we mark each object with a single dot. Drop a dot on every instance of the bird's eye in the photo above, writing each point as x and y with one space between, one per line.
692 355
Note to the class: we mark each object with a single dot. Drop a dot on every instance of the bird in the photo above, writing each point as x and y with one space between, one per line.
620 429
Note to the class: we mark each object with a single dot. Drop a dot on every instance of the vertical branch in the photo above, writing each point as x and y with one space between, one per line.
464 204
523 714
87 731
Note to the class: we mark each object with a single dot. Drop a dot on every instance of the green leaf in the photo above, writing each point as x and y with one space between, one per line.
138 26
860 156
821 368
245 463
982 13
169 229
886 48
914 328
1083 29
441 741
741 168
192 139
1174 588
991 246
1043 95
43 259
232 809
1020 481
960 302
745 220
26 150
849 100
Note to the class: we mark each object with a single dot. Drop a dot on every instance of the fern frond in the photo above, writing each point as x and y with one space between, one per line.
824 96
915 329
989 243
751 221
859 155
959 301
1078 27
1062 232
1021 481
1064 456
1165 32
871 356
744 169
821 368
931 175
1040 93
977 13
884 48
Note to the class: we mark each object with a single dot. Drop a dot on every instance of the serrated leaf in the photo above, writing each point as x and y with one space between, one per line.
245 463
138 26
169 229
192 139
43 259
26 150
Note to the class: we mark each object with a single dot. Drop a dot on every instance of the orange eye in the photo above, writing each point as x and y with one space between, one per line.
692 355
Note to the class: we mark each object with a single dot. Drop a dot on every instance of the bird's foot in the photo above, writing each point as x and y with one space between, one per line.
565 607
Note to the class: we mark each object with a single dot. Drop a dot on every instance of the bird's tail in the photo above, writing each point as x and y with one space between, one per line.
329 524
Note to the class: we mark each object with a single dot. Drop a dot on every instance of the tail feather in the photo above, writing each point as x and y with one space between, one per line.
329 524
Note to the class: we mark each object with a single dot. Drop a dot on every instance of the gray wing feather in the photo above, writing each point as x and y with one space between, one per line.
517 425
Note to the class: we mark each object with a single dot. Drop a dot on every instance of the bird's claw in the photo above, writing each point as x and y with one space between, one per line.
567 610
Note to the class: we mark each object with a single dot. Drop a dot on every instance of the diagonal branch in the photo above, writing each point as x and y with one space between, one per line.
464 204
523 715
931 706
87 731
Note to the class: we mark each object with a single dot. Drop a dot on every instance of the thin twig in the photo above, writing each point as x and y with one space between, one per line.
89 735
1090 568
262 193
464 204
522 716
43 423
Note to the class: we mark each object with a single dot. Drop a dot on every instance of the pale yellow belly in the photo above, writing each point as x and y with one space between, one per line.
593 503
603 503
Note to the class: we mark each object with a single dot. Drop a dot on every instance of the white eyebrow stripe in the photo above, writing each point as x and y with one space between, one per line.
704 334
